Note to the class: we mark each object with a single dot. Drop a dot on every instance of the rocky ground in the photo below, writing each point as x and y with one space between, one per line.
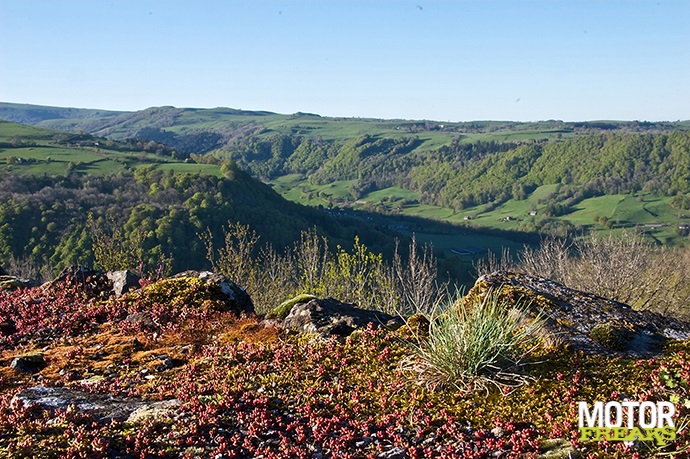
183 368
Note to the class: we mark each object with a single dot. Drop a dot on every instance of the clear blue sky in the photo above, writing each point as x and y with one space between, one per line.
451 60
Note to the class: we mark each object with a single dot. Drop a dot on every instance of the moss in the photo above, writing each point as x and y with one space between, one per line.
9 282
557 448
282 311
184 291
613 335
416 327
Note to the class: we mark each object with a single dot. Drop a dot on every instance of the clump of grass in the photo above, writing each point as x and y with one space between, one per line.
476 343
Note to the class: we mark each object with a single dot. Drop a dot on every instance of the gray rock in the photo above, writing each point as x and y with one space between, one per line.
332 317
123 281
102 406
578 318
235 296
28 363
394 453
155 411
143 319
166 363
10 282
76 274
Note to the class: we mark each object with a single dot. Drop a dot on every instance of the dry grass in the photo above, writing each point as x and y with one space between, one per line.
623 268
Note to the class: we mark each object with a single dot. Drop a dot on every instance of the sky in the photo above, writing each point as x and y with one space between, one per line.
452 60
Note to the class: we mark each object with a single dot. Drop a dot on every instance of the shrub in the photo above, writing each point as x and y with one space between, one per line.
474 343
358 276
623 268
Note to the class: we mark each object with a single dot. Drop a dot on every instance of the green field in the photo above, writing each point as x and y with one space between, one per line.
31 150
295 188
651 214
34 151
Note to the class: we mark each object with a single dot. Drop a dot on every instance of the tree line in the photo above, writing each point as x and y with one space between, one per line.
48 222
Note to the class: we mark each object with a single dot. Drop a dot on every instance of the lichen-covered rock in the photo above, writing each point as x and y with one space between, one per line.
123 281
234 296
613 335
557 448
10 282
586 321
416 327
285 307
215 293
103 407
332 317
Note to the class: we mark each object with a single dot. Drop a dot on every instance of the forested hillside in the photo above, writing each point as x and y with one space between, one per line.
45 218
589 166
56 189
551 176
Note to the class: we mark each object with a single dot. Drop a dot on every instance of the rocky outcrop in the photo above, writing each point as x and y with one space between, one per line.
332 317
236 297
585 321
95 282
103 407
123 281
10 282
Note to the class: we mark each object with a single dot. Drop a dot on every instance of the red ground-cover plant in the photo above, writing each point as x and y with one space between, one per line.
290 395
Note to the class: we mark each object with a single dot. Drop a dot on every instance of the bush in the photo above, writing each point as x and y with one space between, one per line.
358 276
474 343
623 268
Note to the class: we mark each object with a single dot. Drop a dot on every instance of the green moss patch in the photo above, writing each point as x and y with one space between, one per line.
613 335
282 311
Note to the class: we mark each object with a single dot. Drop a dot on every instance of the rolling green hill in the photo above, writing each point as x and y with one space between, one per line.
51 181
548 177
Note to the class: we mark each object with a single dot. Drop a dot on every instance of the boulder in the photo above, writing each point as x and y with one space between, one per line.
236 297
332 317
28 363
123 281
103 407
586 321
10 282
285 307
91 281
76 273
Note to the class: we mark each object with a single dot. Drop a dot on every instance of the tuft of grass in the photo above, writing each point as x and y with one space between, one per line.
475 344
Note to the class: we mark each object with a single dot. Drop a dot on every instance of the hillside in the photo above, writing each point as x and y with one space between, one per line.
549 177
51 181
142 184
